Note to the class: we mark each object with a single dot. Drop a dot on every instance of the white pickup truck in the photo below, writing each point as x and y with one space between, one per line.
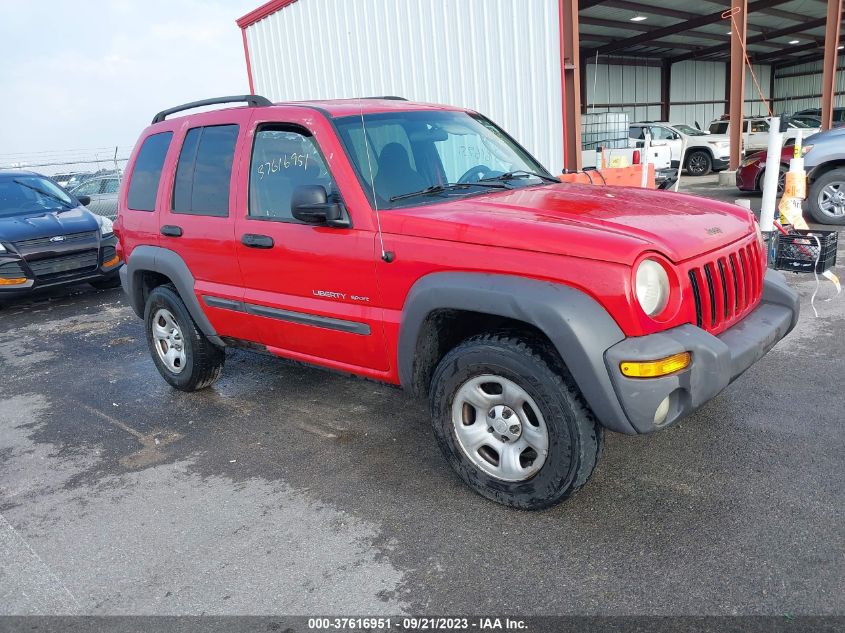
659 154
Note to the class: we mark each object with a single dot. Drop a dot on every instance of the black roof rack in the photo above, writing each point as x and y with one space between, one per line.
388 97
252 100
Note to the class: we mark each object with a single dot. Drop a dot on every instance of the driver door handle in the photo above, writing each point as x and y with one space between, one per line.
252 240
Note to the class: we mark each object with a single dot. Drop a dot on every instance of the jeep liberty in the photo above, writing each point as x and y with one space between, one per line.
420 245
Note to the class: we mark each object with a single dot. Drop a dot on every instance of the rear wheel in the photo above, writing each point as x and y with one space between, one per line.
512 423
826 199
181 352
699 163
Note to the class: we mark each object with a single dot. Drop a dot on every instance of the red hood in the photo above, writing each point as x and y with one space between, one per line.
607 223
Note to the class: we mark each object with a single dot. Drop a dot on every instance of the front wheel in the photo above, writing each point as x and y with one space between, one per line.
181 352
699 163
512 423
826 199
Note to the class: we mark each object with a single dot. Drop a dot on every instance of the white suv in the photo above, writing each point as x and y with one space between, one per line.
755 132
705 152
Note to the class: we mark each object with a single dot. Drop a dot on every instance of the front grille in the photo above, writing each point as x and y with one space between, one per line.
11 270
73 238
80 262
727 287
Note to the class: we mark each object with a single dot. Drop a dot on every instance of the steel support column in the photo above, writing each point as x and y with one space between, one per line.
665 88
737 79
570 57
831 42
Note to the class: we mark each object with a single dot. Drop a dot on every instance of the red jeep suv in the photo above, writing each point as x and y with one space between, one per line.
420 245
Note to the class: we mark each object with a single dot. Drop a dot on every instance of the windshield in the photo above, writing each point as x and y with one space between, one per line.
801 123
412 158
25 194
689 131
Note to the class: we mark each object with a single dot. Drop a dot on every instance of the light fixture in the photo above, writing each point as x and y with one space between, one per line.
730 32
794 41
638 18
839 48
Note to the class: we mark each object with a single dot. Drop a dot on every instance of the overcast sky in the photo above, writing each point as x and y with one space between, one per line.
81 74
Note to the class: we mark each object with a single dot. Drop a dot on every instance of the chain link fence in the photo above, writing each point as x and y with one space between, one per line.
95 172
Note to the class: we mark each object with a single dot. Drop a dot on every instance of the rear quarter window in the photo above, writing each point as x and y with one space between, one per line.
143 186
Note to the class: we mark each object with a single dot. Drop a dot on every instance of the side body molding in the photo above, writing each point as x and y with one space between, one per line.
578 326
168 263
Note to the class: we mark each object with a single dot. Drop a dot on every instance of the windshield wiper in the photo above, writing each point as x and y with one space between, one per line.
436 189
521 173
45 193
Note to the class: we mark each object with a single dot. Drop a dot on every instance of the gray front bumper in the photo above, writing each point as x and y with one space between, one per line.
716 360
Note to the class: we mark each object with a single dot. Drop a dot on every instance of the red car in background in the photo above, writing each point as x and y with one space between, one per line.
749 176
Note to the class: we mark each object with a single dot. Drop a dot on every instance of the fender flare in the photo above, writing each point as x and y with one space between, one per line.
171 265
577 325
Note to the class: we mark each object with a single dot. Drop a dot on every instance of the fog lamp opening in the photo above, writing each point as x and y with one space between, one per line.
656 368
662 411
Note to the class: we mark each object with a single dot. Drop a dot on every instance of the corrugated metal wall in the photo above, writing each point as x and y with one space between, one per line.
802 86
702 82
499 57
754 106
633 90
697 91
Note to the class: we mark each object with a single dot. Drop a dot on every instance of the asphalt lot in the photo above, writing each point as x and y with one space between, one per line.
286 489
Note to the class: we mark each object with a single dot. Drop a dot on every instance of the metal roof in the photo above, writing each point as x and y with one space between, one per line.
695 29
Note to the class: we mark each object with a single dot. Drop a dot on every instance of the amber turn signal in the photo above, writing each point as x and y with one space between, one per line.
656 368
13 282
112 262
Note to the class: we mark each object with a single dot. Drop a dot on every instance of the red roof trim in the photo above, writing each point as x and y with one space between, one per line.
262 12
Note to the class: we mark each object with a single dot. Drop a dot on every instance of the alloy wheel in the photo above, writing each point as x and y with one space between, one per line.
169 342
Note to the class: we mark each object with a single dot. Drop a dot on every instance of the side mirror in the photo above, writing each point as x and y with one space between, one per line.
84 200
310 204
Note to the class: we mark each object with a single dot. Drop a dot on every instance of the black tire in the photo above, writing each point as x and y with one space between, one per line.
761 177
203 360
699 163
835 177
575 438
106 284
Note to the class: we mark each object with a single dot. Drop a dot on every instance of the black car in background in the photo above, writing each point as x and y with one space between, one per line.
48 238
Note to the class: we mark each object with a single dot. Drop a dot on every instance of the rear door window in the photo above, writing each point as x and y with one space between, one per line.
143 187
204 171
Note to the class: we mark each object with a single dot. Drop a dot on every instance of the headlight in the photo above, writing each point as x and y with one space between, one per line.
106 226
2 249
652 287
806 150
747 162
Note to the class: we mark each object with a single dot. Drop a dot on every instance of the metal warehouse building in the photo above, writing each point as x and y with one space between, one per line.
534 66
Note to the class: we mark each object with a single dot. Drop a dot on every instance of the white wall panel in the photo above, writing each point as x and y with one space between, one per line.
701 82
499 57
803 90
754 105
632 90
